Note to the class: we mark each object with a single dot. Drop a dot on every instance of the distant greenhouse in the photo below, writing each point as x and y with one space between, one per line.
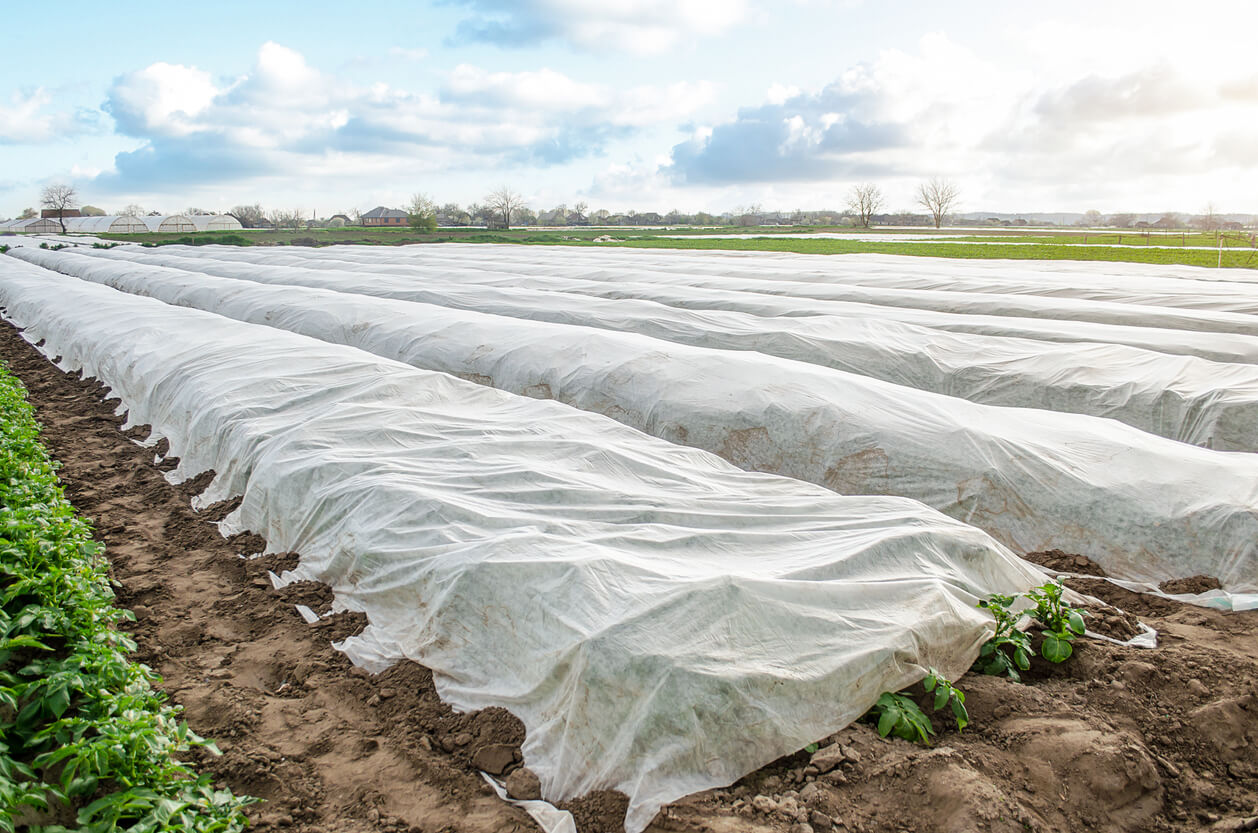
174 223
105 225
35 225
215 222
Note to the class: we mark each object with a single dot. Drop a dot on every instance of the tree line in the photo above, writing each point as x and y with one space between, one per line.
504 208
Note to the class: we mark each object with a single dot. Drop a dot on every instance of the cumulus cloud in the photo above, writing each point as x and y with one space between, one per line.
1154 91
941 109
161 99
284 116
639 26
28 119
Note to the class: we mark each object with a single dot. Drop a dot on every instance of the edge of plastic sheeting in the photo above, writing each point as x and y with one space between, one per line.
1215 599
548 817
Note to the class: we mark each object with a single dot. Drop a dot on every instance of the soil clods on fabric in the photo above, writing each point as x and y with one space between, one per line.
1116 739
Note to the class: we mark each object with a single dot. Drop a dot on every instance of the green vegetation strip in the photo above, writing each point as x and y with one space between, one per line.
1247 258
1133 247
86 743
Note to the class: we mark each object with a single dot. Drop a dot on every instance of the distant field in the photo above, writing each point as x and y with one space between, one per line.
1188 248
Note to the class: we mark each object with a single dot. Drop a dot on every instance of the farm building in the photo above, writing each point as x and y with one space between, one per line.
215 222
169 223
105 225
35 225
381 216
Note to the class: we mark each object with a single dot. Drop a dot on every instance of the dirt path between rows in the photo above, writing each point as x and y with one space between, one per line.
1117 739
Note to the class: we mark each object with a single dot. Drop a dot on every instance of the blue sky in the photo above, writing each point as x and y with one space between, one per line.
642 104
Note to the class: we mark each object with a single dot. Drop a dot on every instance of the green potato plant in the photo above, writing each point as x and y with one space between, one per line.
897 714
1062 623
1009 650
946 694
82 729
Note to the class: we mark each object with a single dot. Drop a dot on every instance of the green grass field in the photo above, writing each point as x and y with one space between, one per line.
1136 247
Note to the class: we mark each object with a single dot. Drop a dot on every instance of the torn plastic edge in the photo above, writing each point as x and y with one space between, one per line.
548 817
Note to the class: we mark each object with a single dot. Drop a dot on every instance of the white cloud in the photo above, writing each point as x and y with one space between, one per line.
286 117
161 99
27 119
943 109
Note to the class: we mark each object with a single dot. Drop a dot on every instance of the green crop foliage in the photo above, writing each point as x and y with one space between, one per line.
946 694
897 714
83 733
1061 622
1009 650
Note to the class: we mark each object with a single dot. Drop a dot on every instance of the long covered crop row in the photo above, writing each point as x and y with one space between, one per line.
659 620
680 514
1137 504
86 743
1182 397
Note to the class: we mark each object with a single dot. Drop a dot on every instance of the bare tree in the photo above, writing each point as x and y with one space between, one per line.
938 196
133 210
59 198
250 216
1209 220
281 218
504 202
1123 220
422 213
864 201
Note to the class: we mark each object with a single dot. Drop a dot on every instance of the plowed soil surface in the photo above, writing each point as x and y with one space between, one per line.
1116 739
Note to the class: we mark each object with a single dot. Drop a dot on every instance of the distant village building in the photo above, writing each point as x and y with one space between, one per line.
381 216
54 213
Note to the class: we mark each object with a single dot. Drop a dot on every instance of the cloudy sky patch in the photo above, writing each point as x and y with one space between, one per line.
642 104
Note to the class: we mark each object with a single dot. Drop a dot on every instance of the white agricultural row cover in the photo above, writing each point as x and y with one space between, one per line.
560 262
528 267
661 621
957 286
1193 400
1144 508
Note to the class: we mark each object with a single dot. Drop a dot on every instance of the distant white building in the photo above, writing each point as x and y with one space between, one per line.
35 225
215 222
170 223
109 224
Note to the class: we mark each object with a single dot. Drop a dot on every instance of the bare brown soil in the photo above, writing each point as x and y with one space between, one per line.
1116 739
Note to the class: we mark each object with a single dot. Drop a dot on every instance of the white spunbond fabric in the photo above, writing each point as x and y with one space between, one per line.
1143 507
660 621
528 267
1211 404
1163 285
1127 313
